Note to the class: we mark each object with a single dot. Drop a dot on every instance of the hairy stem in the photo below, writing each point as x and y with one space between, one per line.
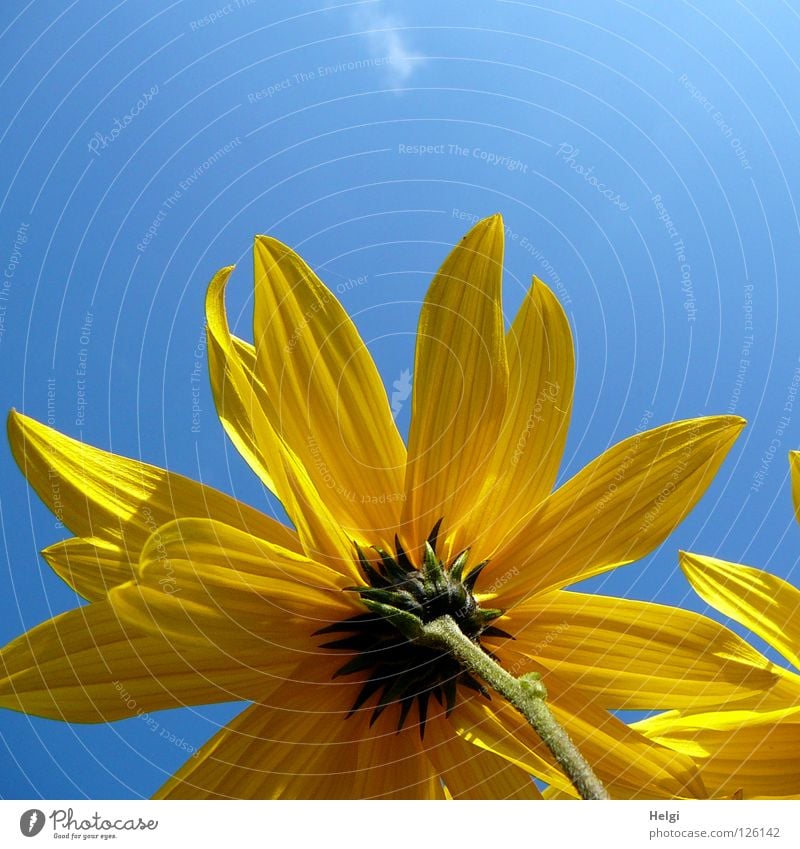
527 694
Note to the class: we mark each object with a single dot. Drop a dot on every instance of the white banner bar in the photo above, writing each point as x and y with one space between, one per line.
402 825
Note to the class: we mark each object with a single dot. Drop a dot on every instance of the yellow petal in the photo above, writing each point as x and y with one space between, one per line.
396 766
99 494
308 752
240 397
200 582
748 752
88 666
638 655
250 417
334 413
541 367
114 502
460 387
91 568
615 510
470 772
767 605
794 466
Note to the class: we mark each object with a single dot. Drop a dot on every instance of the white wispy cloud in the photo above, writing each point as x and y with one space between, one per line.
387 41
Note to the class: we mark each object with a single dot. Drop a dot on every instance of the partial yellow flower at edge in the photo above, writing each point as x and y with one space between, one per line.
794 467
177 571
764 603
753 752
744 754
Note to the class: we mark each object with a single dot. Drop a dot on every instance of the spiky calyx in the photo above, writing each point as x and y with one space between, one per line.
401 598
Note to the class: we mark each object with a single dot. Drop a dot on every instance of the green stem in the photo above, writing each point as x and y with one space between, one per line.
526 694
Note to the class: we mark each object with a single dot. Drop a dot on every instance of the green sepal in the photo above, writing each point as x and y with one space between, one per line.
359 662
372 575
434 571
433 536
450 693
402 555
489 613
393 693
469 581
407 624
391 568
399 599
457 566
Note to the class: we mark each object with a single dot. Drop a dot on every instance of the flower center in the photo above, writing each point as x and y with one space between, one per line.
401 671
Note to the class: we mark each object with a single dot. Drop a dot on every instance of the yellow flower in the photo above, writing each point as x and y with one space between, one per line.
750 753
196 598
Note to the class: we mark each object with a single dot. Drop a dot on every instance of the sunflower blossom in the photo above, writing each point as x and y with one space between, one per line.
751 753
195 598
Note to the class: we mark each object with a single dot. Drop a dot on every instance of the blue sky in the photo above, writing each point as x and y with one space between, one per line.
644 160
